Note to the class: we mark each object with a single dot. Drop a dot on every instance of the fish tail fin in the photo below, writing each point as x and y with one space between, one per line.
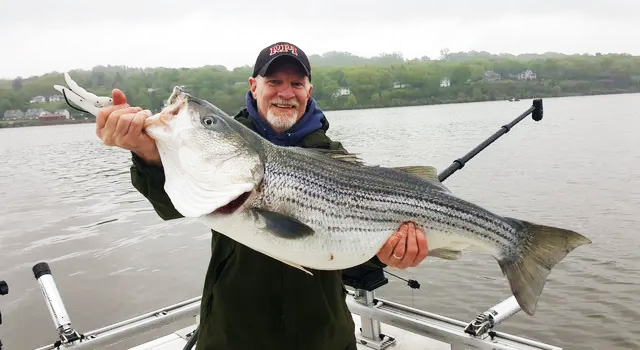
544 247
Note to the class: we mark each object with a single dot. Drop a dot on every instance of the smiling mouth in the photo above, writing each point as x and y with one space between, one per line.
283 106
232 206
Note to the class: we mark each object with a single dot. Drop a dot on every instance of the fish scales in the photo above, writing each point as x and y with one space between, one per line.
387 185
408 212
340 191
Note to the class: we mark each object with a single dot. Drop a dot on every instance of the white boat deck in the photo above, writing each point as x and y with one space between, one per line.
404 340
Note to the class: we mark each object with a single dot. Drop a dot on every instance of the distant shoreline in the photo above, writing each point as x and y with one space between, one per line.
36 122
21 123
524 98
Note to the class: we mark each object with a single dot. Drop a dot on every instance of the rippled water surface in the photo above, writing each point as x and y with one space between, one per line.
67 200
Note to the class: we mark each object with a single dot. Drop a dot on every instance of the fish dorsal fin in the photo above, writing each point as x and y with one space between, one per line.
424 172
338 154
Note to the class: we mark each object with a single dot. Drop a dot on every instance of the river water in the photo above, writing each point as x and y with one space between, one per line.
66 199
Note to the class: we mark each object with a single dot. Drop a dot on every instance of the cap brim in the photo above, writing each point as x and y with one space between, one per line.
266 66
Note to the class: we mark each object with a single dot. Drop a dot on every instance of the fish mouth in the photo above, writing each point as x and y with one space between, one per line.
175 103
232 206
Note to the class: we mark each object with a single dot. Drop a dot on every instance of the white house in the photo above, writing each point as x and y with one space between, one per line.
64 112
341 92
527 75
38 99
399 85
56 98
492 76
446 82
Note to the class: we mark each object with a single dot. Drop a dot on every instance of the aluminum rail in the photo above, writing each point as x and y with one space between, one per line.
120 331
478 334
441 328
398 315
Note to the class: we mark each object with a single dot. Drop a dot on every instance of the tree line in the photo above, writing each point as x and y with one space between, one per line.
344 81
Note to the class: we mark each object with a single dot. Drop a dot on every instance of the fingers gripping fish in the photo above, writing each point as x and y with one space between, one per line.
328 211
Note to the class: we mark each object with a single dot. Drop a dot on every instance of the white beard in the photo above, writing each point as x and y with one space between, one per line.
282 121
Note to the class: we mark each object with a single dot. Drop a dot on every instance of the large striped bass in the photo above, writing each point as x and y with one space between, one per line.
326 210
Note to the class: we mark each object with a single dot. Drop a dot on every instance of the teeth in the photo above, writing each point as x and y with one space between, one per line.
283 106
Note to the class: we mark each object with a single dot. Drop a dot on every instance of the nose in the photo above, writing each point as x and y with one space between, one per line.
286 92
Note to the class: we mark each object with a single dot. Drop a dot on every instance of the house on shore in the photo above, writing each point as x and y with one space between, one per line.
342 91
399 85
13 114
492 76
34 113
51 116
527 75
56 98
38 99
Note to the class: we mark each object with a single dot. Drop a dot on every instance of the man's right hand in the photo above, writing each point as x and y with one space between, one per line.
121 125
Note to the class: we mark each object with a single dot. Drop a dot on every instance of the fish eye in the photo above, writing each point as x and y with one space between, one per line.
209 120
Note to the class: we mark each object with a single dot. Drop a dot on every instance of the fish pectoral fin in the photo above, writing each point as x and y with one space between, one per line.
424 172
292 264
281 225
299 267
444 253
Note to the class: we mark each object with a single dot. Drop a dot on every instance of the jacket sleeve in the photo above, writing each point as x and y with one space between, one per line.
149 181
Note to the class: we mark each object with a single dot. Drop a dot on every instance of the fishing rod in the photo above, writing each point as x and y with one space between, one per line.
536 112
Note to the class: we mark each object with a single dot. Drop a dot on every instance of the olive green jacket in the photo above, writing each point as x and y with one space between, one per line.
251 301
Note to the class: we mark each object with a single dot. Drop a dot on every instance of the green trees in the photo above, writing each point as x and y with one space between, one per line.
342 80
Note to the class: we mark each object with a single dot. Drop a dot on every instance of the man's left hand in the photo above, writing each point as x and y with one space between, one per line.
406 247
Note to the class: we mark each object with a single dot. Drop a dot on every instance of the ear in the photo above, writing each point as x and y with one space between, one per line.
253 84
310 88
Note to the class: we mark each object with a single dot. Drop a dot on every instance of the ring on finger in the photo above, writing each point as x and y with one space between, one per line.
397 257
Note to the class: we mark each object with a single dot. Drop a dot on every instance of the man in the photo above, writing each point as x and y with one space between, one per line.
249 300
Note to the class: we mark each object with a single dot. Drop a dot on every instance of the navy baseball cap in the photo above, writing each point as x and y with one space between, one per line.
275 51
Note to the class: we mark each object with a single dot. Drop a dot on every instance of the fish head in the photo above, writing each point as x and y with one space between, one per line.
211 162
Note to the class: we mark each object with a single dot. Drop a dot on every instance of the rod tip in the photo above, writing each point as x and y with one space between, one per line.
538 111
41 269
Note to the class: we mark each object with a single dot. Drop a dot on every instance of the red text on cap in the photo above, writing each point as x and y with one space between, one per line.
283 48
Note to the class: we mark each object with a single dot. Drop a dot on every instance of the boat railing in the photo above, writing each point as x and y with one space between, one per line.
373 311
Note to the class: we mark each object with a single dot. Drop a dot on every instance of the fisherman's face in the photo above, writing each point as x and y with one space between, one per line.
281 95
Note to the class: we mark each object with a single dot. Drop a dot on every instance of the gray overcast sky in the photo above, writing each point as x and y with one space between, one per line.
37 37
